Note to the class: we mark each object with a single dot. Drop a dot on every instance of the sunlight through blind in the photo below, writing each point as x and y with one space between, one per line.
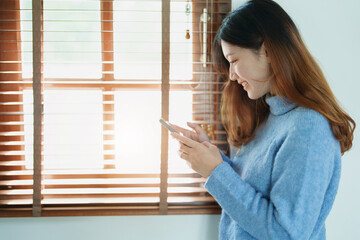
109 70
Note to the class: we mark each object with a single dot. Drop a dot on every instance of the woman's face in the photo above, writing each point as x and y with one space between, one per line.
249 68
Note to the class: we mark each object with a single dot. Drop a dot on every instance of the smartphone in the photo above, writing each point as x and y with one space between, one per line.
167 125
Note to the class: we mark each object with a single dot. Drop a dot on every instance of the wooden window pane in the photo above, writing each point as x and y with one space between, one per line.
109 186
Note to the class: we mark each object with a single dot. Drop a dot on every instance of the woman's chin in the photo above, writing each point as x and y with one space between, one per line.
253 96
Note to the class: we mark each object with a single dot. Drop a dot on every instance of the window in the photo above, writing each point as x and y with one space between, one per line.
80 105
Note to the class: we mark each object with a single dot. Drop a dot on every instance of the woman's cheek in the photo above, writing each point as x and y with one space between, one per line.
242 73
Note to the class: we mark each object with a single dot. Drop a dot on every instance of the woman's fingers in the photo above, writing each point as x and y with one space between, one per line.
198 129
184 156
186 132
194 126
184 140
200 132
185 148
179 129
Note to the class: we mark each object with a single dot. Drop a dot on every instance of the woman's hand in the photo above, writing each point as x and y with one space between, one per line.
202 157
199 135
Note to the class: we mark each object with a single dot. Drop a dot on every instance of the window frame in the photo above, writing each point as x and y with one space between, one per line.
108 85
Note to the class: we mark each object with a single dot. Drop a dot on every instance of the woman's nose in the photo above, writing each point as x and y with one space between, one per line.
232 75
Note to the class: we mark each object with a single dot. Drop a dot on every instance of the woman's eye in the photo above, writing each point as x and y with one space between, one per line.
231 62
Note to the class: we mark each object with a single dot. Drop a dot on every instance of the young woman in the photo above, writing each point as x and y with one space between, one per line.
278 109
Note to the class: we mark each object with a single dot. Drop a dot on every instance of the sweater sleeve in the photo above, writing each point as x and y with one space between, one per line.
225 158
302 169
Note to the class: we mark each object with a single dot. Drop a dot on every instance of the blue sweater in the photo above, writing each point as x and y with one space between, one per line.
283 183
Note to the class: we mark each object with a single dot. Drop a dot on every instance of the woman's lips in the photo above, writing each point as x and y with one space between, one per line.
244 84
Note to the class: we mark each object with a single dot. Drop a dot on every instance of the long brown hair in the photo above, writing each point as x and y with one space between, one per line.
297 76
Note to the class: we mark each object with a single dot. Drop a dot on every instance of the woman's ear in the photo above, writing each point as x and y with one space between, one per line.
264 52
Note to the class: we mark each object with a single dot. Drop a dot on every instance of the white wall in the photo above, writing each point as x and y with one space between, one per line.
189 227
331 30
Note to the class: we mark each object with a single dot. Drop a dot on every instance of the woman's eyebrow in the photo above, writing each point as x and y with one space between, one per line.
229 54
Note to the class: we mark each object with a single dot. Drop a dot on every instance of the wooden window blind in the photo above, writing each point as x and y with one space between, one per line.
83 85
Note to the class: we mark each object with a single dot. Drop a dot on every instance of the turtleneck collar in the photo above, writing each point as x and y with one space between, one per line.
279 105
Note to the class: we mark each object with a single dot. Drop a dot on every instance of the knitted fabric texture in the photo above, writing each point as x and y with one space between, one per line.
283 183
